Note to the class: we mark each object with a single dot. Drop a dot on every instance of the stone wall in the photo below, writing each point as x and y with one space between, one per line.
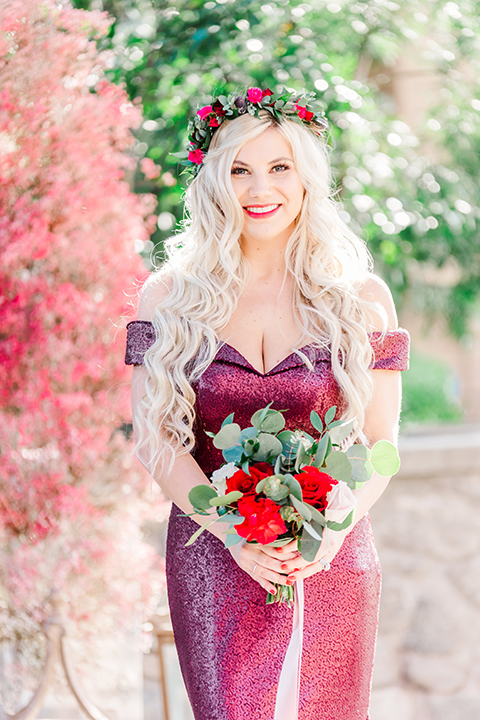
427 531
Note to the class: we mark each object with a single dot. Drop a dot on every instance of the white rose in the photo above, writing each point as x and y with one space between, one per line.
341 501
219 477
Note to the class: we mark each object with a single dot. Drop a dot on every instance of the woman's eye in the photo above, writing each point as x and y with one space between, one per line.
280 168
238 171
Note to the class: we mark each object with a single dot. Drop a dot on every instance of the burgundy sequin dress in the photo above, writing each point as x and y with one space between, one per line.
231 644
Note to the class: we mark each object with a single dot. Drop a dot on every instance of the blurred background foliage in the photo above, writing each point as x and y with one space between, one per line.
412 195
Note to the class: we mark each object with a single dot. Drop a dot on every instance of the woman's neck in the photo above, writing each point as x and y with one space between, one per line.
266 260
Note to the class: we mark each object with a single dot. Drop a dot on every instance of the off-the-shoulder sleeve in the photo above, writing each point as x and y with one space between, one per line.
140 336
392 351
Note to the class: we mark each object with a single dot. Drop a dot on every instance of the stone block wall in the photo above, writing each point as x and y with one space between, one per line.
427 531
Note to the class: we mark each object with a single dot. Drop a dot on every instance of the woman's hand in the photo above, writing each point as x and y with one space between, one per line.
301 569
267 565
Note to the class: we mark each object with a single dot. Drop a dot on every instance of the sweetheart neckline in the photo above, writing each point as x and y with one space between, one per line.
275 367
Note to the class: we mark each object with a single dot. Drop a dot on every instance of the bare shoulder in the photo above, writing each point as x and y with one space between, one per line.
374 290
154 291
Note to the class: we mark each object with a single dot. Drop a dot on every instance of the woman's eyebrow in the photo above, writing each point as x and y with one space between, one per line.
272 162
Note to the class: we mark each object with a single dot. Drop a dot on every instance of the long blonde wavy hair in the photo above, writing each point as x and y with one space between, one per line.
206 271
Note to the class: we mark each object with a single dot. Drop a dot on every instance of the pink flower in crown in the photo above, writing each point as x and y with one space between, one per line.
204 111
303 113
254 94
196 156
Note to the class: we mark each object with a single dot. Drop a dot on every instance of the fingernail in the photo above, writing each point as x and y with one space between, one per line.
279 550
284 566
296 569
290 581
272 592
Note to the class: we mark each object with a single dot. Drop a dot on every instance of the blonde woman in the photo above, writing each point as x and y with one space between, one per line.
265 297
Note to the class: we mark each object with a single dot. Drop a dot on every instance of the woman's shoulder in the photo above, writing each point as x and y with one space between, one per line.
376 294
154 291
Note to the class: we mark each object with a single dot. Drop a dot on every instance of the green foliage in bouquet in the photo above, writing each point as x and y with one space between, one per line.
289 453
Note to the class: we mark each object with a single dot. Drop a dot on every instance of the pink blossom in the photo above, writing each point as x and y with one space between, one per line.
340 502
204 111
150 169
67 231
254 94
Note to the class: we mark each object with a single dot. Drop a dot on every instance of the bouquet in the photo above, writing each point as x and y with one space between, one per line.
280 485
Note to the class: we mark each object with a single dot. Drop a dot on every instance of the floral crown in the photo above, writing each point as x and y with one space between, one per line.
284 105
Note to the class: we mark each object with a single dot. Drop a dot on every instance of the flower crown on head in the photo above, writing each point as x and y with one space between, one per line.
284 105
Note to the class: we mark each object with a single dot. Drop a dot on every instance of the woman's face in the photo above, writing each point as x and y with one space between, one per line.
268 188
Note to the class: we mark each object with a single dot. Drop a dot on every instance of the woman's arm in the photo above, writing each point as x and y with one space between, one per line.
186 473
381 423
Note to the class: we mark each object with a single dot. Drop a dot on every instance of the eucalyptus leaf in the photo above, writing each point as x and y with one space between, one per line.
260 485
246 467
302 508
200 496
198 532
338 466
324 446
227 499
294 485
317 517
232 540
341 526
233 454
269 446
308 546
259 416
232 519
311 531
330 414
227 436
316 421
270 421
228 419
384 458
342 431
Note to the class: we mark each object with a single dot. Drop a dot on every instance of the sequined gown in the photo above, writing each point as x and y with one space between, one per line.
231 644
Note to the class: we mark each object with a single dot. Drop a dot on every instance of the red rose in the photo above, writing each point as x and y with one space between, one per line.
254 94
263 521
247 483
218 109
266 92
303 113
214 122
196 156
315 486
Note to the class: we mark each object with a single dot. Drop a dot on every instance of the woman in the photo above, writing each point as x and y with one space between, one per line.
266 297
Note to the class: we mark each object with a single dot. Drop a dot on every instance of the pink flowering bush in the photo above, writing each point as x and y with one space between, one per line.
72 498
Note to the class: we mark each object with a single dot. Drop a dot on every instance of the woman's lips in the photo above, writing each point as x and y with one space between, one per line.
261 211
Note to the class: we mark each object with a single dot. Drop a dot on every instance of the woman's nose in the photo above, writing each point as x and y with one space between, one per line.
260 186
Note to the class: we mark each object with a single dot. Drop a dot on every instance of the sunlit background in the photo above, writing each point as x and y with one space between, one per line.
399 83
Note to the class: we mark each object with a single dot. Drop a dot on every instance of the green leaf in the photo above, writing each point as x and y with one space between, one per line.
362 468
227 499
342 431
317 517
330 414
316 421
269 446
231 518
341 526
268 420
384 458
231 540
322 451
260 485
200 496
301 457
302 508
308 546
227 437
246 467
338 466
259 416
198 532
311 531
228 419
294 485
